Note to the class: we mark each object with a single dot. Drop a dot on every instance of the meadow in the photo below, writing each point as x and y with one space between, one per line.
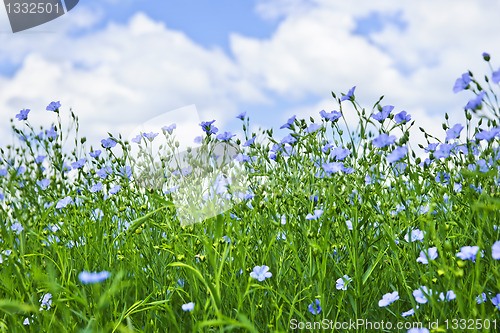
352 229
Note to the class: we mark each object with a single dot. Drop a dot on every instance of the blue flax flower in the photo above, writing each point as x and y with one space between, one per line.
78 164
425 256
150 136
444 150
249 142
108 143
454 132
388 299
96 188
53 106
384 113
476 101
226 136
488 135
87 277
421 294
481 298
188 306
115 189
468 252
350 95
288 139
64 202
317 214
169 128
313 128
495 78
23 114
208 128
462 82
414 235
331 116
95 154
418 330
384 140
402 117
410 312
496 301
44 184
289 123
46 301
343 282
495 250
397 154
450 295
315 309
241 116
340 153
261 273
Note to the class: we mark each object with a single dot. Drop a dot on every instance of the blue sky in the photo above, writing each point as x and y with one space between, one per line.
108 59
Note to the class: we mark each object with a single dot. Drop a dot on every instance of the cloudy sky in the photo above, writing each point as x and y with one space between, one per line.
120 63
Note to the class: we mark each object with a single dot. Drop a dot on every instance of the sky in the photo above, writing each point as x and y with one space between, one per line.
120 64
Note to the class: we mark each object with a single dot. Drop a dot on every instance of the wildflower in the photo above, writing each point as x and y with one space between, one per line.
397 154
457 187
45 302
454 132
87 278
383 140
340 153
495 77
496 301
410 312
313 128
421 294
39 159
431 147
150 136
468 253
64 202
95 154
188 306
104 172
418 330
333 167
349 96
51 133
261 273
481 298
402 117
317 214
283 219
249 142
368 180
108 143
475 102
226 136
488 135
289 123
78 164
53 106
444 150
3 172
414 235
23 114
208 127
388 299
96 188
331 116
241 158
288 139
126 172
17 227
241 116
343 282
44 184
315 309
169 128
349 224
115 189
462 82
450 295
486 56
430 254
137 139
384 113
